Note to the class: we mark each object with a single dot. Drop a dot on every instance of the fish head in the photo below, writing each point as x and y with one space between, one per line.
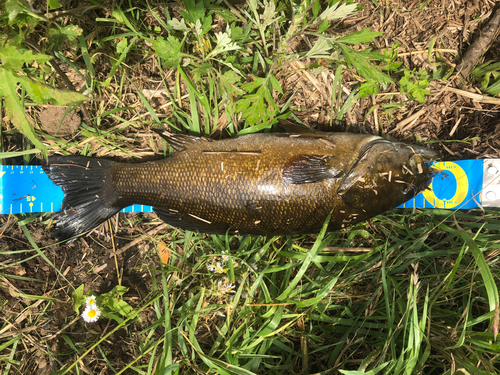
384 175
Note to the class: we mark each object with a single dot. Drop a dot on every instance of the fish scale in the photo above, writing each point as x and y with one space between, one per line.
221 189
260 184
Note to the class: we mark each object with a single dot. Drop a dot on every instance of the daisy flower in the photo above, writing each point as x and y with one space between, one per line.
219 268
210 267
225 287
91 314
90 300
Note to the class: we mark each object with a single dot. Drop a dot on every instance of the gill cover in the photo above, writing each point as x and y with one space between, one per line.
385 174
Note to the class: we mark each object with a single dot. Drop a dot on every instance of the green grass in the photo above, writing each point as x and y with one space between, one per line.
406 293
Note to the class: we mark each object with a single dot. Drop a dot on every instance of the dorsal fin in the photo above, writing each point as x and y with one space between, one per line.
294 128
180 141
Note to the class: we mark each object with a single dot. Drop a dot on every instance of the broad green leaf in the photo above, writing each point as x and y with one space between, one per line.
252 85
15 109
42 94
122 44
316 7
415 84
368 88
197 28
276 85
228 82
362 36
169 50
12 62
121 307
78 298
13 59
54 4
13 9
64 34
207 25
324 25
194 11
20 11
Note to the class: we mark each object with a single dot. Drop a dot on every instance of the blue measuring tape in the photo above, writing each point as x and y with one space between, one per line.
458 184
26 188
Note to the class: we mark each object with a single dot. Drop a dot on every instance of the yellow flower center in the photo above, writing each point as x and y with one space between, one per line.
91 301
91 313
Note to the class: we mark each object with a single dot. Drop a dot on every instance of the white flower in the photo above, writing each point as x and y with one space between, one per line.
225 257
219 269
177 280
225 287
91 314
210 267
90 300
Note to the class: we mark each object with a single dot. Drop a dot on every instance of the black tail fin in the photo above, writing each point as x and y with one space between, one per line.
89 197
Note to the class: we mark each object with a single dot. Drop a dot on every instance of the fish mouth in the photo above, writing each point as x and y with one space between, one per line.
428 154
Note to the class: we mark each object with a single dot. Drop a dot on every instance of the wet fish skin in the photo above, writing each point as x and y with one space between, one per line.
260 184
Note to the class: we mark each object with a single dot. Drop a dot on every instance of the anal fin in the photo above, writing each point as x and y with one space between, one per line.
185 222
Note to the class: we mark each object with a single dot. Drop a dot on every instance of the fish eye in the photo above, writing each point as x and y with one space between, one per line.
416 163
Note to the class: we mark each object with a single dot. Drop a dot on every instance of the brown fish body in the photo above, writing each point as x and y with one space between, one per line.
261 184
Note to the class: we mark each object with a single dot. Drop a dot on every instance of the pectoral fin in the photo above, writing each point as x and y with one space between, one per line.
306 169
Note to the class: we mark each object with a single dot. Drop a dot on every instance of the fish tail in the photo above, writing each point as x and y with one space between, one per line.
89 197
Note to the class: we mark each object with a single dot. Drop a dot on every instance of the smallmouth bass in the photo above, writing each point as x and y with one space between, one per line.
259 184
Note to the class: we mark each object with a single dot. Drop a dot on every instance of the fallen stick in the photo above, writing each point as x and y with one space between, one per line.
480 45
